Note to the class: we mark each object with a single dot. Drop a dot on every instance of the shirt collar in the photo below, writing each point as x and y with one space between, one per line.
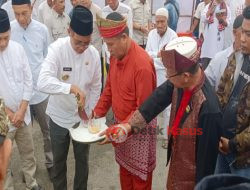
29 25
57 15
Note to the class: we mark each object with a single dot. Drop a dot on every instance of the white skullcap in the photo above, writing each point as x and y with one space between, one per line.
162 12
185 46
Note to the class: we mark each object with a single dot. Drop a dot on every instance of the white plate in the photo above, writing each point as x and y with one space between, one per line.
81 134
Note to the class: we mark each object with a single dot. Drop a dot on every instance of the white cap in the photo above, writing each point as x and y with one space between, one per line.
162 12
185 46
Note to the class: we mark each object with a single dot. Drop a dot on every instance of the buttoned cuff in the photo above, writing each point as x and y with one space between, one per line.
66 88
27 96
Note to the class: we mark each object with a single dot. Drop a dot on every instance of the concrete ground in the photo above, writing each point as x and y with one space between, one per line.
103 170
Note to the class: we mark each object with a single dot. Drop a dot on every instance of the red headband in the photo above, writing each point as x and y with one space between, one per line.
109 28
112 31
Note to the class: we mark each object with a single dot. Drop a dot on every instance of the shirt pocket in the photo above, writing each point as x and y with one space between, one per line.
66 74
58 32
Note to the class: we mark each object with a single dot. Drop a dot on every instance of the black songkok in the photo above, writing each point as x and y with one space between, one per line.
4 21
82 21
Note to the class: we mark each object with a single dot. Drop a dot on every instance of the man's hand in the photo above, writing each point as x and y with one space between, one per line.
117 133
224 145
106 140
151 26
83 114
10 114
80 96
94 115
18 119
144 30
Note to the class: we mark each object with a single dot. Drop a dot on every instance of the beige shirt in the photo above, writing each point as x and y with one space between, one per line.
141 16
96 39
43 10
57 24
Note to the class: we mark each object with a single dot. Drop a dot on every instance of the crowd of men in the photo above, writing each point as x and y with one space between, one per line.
60 66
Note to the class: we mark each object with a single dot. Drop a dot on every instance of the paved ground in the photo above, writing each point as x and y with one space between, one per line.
103 170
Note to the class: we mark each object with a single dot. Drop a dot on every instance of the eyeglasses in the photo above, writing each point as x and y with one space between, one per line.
80 43
171 76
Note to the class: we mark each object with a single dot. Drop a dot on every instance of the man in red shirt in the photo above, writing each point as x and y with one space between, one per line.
130 81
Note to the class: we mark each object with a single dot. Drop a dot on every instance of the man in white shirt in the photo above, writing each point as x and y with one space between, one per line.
233 6
240 8
16 91
34 38
71 71
216 17
157 39
8 7
141 21
124 10
218 64
43 9
57 20
197 17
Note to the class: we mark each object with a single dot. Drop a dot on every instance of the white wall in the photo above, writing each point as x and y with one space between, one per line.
186 12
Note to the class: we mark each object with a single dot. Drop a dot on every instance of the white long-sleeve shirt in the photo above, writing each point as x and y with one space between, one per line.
15 78
62 68
218 64
8 7
154 45
35 40
57 24
43 10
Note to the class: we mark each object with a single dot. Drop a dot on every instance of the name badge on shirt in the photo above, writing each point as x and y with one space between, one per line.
66 76
67 68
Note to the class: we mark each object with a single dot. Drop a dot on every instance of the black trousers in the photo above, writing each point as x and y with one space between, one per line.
60 141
